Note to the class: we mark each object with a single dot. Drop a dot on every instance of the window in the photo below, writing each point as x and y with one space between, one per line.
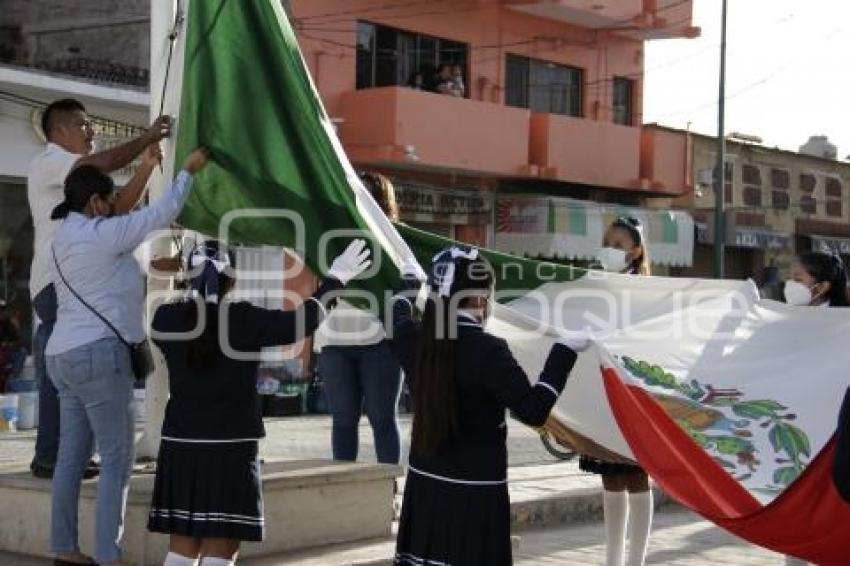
389 57
752 196
781 200
833 196
727 181
543 87
623 100
780 179
808 182
365 55
808 204
751 175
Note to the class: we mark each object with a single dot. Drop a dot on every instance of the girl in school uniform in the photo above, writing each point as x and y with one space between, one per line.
456 509
207 493
819 279
627 498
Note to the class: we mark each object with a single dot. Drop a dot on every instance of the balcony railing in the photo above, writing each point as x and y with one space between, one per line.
585 151
97 70
414 129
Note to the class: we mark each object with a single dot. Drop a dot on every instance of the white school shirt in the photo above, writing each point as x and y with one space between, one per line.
46 189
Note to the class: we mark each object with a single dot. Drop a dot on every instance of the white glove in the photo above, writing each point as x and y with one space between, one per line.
410 269
351 263
576 341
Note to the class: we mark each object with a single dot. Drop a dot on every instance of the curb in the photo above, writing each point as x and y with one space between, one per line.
574 506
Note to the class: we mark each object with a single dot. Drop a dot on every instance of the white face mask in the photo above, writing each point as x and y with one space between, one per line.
797 294
612 259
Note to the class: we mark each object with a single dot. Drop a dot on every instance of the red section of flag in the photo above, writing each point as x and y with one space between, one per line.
808 520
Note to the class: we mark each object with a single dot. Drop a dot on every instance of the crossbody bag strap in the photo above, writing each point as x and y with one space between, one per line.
79 298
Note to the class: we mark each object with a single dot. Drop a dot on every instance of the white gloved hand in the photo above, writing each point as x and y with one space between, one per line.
410 269
351 263
576 341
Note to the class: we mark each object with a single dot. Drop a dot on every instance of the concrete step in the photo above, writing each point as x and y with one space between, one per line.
307 503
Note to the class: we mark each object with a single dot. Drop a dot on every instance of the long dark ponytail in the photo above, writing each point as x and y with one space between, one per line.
205 350
434 383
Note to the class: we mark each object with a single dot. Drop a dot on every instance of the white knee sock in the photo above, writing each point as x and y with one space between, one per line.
216 561
174 559
615 506
640 524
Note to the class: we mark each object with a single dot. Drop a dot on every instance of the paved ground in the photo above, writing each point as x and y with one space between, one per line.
679 537
310 437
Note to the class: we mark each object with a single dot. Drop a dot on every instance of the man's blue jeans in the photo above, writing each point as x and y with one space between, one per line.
47 437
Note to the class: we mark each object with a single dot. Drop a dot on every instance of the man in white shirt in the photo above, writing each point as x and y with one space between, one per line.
70 143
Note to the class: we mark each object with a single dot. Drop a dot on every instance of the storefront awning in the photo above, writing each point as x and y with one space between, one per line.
573 229
831 244
755 237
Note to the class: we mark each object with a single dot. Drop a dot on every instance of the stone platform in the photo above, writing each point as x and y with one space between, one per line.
308 503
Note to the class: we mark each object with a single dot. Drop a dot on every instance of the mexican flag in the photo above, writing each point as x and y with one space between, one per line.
728 401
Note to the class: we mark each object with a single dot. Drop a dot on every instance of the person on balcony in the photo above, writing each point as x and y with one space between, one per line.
445 81
457 79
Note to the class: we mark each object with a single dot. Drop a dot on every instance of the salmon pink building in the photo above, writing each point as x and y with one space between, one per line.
510 123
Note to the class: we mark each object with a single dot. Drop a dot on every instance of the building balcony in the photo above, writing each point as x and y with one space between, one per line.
404 128
643 19
584 151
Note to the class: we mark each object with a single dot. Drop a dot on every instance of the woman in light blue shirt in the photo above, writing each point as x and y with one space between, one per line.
88 363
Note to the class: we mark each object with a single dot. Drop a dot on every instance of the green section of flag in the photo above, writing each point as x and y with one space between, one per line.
512 273
247 96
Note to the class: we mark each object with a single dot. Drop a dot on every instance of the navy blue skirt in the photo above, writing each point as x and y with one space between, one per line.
453 524
208 490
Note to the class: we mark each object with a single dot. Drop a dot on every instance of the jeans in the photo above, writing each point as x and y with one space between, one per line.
95 384
354 375
47 436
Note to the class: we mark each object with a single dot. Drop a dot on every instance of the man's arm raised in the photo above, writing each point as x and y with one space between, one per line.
119 156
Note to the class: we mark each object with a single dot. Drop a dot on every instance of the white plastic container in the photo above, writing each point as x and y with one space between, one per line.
27 410
9 412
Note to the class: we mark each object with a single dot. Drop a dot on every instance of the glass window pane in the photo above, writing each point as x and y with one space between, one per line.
575 92
751 174
539 87
406 58
426 62
386 56
623 101
516 91
365 55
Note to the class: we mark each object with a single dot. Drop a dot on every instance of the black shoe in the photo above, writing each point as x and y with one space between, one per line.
92 470
42 471
45 472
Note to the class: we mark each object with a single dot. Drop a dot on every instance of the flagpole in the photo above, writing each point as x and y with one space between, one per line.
720 175
156 389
